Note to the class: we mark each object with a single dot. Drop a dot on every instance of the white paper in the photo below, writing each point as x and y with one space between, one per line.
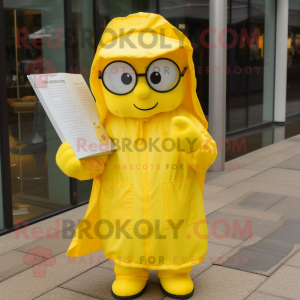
72 110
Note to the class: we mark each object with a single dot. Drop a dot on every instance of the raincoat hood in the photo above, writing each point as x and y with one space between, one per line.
144 35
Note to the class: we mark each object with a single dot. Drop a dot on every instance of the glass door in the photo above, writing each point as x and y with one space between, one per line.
293 64
34 43
251 62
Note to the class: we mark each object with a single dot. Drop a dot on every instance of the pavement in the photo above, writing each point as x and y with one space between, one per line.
253 208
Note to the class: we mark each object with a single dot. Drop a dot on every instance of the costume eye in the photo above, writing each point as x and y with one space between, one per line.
119 78
163 75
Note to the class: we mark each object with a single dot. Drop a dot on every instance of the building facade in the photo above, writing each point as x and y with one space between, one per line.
256 56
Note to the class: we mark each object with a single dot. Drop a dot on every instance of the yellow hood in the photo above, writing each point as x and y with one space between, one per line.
110 46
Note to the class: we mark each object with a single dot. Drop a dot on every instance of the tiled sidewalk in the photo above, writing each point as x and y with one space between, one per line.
260 190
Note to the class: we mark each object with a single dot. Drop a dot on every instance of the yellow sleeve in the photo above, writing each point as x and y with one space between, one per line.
202 158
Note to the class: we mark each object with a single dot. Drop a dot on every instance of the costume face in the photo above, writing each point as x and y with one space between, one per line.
143 87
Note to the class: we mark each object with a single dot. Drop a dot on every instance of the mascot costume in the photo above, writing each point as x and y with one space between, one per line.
146 206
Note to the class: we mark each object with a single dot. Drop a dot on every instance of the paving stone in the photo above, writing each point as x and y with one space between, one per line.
294 261
57 243
214 252
294 139
22 237
260 201
98 281
262 296
220 199
225 196
223 283
280 176
274 148
241 162
13 263
265 215
63 294
228 241
273 247
109 264
269 187
288 233
27 285
231 225
210 207
252 261
210 175
294 150
289 207
235 250
269 253
268 162
232 178
293 163
283 283
211 189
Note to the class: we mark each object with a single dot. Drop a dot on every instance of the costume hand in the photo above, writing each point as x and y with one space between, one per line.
186 133
66 160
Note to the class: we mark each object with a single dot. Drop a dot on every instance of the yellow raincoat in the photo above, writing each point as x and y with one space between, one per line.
148 203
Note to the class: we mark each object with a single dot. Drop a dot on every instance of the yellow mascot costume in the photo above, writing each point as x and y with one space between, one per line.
146 207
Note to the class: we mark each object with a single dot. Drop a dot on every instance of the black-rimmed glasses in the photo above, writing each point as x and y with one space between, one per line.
162 75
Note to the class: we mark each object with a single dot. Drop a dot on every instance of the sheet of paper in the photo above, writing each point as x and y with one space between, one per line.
72 110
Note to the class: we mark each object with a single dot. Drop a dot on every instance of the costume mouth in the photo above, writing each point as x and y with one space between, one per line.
146 108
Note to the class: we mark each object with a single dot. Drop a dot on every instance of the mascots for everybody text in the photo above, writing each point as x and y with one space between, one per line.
149 193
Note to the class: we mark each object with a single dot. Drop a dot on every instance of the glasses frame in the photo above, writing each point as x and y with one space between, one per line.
142 75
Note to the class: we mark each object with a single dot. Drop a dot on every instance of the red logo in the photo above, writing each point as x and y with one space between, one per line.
39 258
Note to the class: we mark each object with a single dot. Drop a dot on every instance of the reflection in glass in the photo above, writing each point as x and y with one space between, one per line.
192 18
250 84
34 44
121 8
83 37
293 65
237 84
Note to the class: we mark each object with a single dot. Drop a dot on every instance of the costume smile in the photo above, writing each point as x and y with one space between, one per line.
146 108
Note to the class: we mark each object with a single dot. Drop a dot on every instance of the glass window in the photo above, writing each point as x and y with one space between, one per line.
237 84
83 37
192 18
250 84
34 43
293 64
262 62
121 8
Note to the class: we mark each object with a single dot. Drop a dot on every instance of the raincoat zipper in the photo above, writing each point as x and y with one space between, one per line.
146 189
